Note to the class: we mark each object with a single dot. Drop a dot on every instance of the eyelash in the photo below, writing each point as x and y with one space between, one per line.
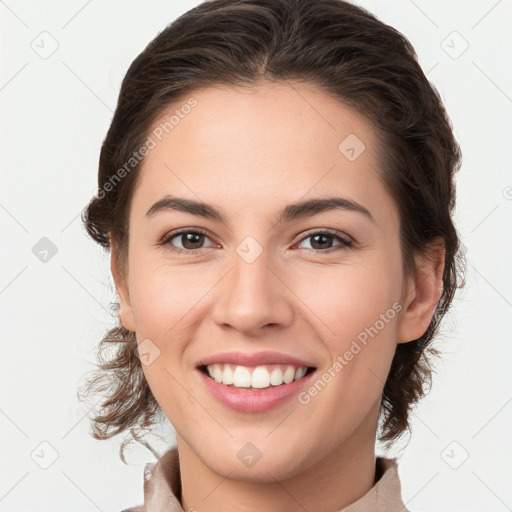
346 243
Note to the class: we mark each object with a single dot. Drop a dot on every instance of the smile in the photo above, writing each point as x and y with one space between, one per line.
273 389
255 377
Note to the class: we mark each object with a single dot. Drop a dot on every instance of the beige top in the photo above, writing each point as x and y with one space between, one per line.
162 488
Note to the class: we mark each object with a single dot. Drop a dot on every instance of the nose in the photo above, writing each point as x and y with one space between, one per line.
251 297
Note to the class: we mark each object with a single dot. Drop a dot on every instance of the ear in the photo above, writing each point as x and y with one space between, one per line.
125 310
422 292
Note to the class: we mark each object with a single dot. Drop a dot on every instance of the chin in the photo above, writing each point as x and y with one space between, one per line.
263 461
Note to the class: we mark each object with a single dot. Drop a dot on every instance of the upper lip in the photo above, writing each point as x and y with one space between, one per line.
253 359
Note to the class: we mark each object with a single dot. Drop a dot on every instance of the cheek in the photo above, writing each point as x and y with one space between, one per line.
356 311
168 304
349 299
163 297
163 300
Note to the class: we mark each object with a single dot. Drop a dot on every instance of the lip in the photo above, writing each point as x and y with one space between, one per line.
245 400
254 359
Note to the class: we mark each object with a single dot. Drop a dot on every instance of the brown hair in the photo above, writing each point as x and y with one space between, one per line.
344 51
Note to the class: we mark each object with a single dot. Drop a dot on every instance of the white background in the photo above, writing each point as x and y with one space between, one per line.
54 115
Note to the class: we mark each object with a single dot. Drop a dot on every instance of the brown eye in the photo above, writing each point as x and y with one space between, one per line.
191 240
323 241
188 240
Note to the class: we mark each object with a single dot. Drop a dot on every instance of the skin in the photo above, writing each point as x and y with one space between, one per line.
251 153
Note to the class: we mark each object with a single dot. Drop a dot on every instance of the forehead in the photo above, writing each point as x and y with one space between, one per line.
303 118
263 143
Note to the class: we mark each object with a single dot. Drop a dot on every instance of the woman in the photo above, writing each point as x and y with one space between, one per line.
276 191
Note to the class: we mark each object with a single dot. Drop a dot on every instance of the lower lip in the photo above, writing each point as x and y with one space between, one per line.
245 400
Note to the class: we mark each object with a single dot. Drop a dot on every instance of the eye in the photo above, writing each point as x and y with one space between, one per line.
190 239
320 241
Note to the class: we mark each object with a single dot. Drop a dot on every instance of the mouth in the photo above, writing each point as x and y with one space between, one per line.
254 389
255 378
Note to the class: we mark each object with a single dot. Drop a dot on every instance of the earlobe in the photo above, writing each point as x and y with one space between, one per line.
423 293
125 309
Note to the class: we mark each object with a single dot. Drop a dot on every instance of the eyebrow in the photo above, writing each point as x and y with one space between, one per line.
292 211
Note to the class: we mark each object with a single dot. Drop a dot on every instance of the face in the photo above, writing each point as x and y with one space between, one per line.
323 285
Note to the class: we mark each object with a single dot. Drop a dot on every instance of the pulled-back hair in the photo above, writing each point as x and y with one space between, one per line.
343 51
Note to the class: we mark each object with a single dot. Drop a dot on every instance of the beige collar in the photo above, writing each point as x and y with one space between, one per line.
162 488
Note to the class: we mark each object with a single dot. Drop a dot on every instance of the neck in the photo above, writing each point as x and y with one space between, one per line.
337 480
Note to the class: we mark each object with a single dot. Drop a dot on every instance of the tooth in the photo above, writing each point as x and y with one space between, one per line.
260 377
227 376
276 377
242 377
300 372
289 374
217 372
